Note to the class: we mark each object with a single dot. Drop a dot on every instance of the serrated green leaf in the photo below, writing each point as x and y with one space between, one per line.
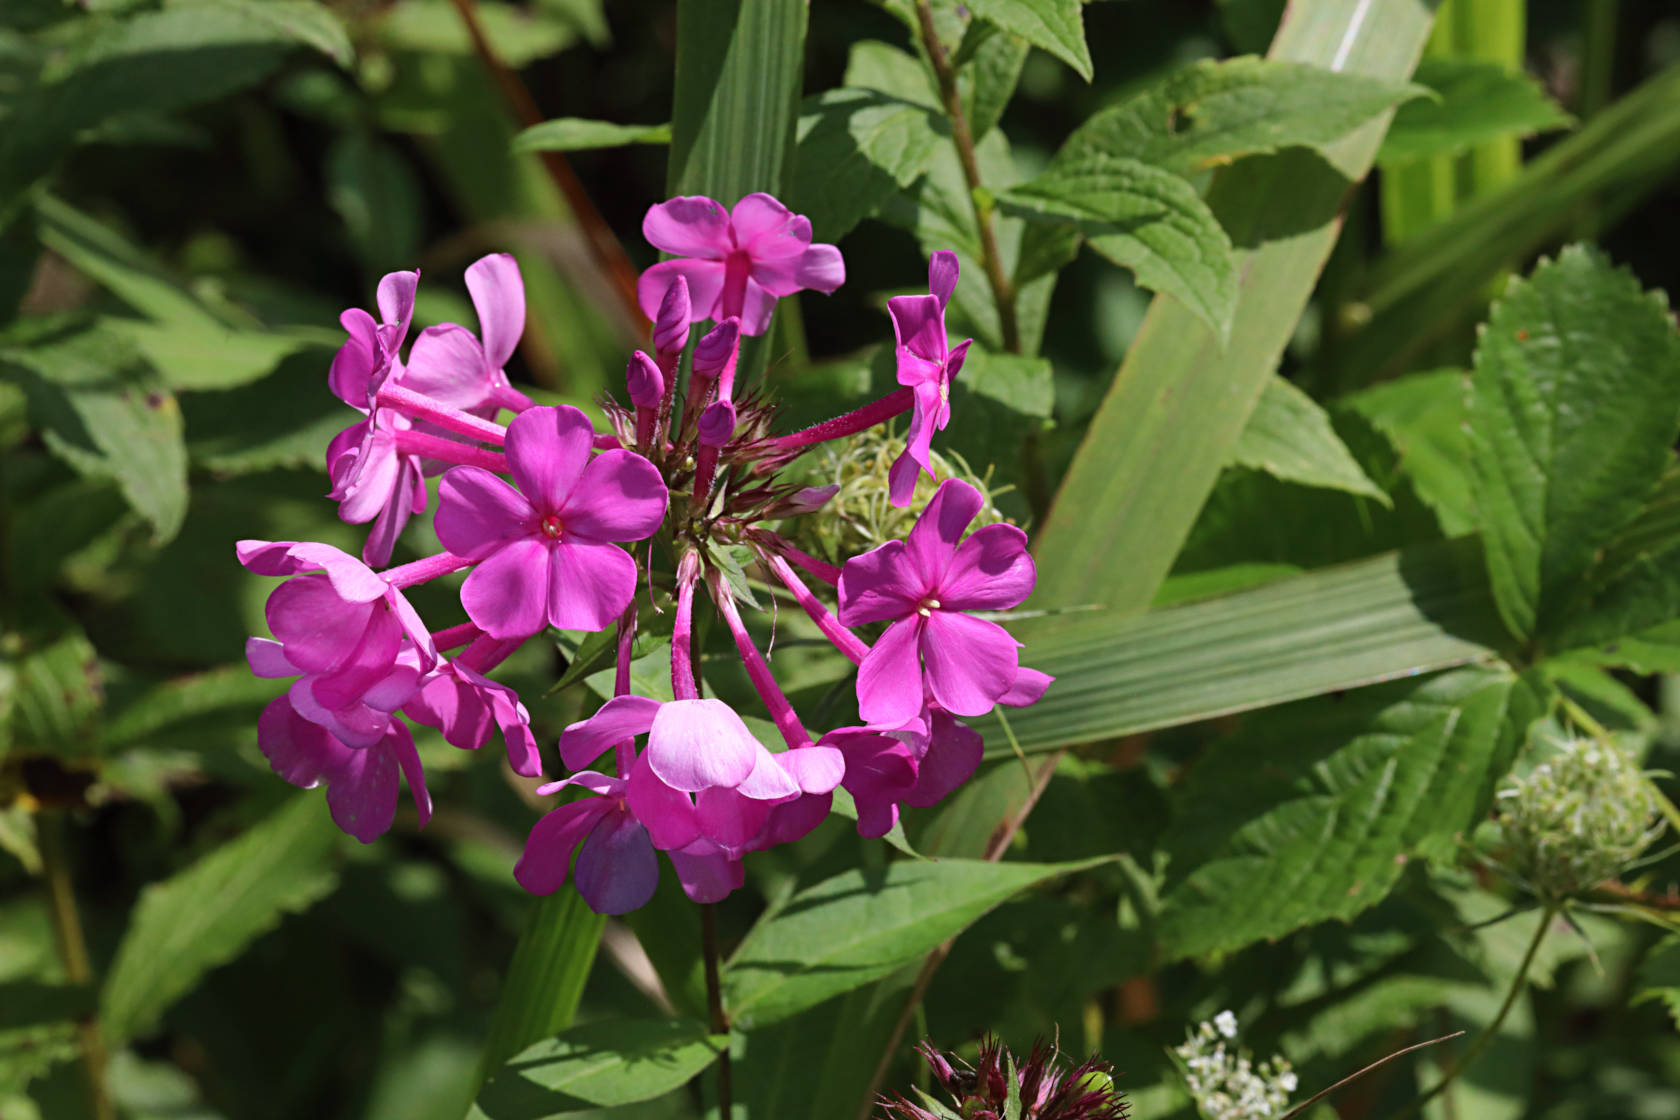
855 147
1423 416
862 925
1210 113
1659 977
51 686
1335 795
205 916
989 77
1289 436
1142 218
601 1064
574 134
1373 620
1474 102
1056 26
1574 404
871 64
104 411
1633 587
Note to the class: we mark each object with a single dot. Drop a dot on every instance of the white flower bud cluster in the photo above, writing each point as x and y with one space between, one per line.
1225 1082
1579 818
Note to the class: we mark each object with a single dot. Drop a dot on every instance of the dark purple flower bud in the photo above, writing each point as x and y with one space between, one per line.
670 327
717 424
713 351
645 381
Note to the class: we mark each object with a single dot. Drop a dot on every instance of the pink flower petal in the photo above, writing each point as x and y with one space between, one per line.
589 585
889 684
970 662
448 365
350 577
396 299
942 275
706 873
546 451
498 295
479 513
388 526
666 813
506 595
297 750
792 820
919 328
620 497
879 585
767 230
697 744
362 794
816 769
364 664
314 623
991 571
933 540
953 755
399 744
354 724
617 870
1029 685
622 717
548 850
819 268
880 771
268 659
354 363
729 819
703 277
768 780
688 226
757 306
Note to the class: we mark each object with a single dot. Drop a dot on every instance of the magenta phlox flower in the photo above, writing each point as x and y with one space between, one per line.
616 868
736 262
357 710
466 706
452 366
917 764
926 364
545 551
923 586
362 782
373 481
367 357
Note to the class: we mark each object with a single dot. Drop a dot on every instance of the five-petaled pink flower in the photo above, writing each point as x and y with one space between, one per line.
926 364
922 585
737 262
544 551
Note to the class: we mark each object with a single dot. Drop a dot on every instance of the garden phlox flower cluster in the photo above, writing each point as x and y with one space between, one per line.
1044 1089
1225 1082
538 514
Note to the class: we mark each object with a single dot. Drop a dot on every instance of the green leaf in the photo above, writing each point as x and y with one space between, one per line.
861 925
1178 406
205 916
1574 404
894 72
205 356
1334 796
310 23
574 134
378 195
284 419
1474 102
518 34
601 1064
856 147
154 713
990 77
51 686
1289 436
1633 588
1659 977
1141 218
103 411
1053 25
545 979
1423 416
1210 113
1391 616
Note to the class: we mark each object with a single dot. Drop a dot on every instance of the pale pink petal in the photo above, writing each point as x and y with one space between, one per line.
703 277
942 275
589 585
498 295
933 540
448 365
1029 685
970 662
953 755
688 226
396 299
370 490
729 819
889 684
697 744
399 744
816 769
546 452
706 874
666 813
479 513
362 793
506 595
620 497
548 850
768 781
617 870
622 717
991 571
767 230
268 659
879 585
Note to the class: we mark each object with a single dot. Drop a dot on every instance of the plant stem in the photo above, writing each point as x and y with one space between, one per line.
714 1002
1486 1036
1002 291
72 950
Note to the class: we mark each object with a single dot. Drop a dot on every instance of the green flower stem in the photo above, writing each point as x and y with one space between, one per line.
1481 1041
72 950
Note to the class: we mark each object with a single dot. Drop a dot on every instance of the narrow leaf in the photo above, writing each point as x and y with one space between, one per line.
1141 218
603 1065
862 925
1056 26
1474 102
574 134
205 916
1289 436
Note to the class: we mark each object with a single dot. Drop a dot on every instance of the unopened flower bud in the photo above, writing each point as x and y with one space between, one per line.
670 328
717 424
645 382
713 351
808 500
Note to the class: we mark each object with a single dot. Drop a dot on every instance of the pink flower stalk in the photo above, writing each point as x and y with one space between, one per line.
926 365
736 262
922 586
452 367
362 782
545 551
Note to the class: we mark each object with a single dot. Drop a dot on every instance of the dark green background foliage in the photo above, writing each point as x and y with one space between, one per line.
1337 389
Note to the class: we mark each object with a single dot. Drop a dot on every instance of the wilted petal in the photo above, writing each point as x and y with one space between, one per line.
991 571
589 584
703 277
622 717
498 295
970 662
617 870
620 497
889 684
546 452
688 226
506 596
879 585
697 744
548 850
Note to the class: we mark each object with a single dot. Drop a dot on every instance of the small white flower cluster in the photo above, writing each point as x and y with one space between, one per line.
1226 1083
1579 818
